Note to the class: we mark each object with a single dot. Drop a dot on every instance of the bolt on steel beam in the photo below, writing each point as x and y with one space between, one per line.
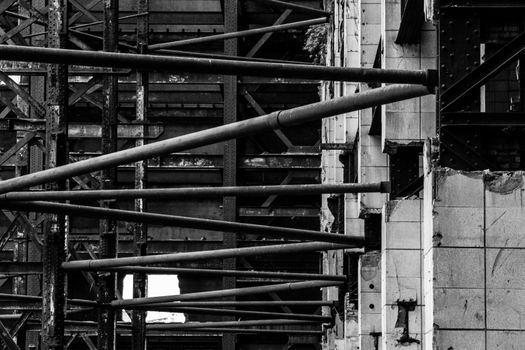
198 192
239 34
182 221
217 272
100 264
214 66
272 121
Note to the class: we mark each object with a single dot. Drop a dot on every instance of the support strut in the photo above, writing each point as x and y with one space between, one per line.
275 120
213 66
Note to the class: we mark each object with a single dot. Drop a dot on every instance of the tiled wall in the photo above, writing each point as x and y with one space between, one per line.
369 304
412 120
401 271
474 255
372 163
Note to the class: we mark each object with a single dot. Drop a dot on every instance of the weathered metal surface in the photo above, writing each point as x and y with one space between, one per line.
276 120
202 255
53 283
218 66
140 234
239 34
225 293
181 221
107 283
198 192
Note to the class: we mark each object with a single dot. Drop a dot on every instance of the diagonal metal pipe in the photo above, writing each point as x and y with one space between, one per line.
195 325
214 66
216 272
100 264
242 313
280 287
197 192
239 34
181 221
272 121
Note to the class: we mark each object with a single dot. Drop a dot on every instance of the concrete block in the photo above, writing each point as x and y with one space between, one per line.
370 34
401 235
368 55
370 273
400 127
504 189
372 156
391 12
402 263
458 268
505 340
391 341
402 63
456 189
395 289
371 14
429 43
410 105
404 210
428 63
458 227
369 323
460 339
505 268
506 309
428 125
370 303
459 308
505 227
368 342
393 50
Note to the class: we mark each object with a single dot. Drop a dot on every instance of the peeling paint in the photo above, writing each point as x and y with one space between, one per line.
503 182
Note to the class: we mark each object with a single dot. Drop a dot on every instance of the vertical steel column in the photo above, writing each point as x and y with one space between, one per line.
37 89
53 282
138 336
108 228
230 157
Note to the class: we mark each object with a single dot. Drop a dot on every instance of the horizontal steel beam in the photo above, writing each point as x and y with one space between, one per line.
272 121
215 272
280 287
210 65
35 298
181 221
239 34
294 6
100 264
197 192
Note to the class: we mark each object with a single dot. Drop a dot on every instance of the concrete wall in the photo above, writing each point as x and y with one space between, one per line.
411 121
372 163
474 256
401 272
369 304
